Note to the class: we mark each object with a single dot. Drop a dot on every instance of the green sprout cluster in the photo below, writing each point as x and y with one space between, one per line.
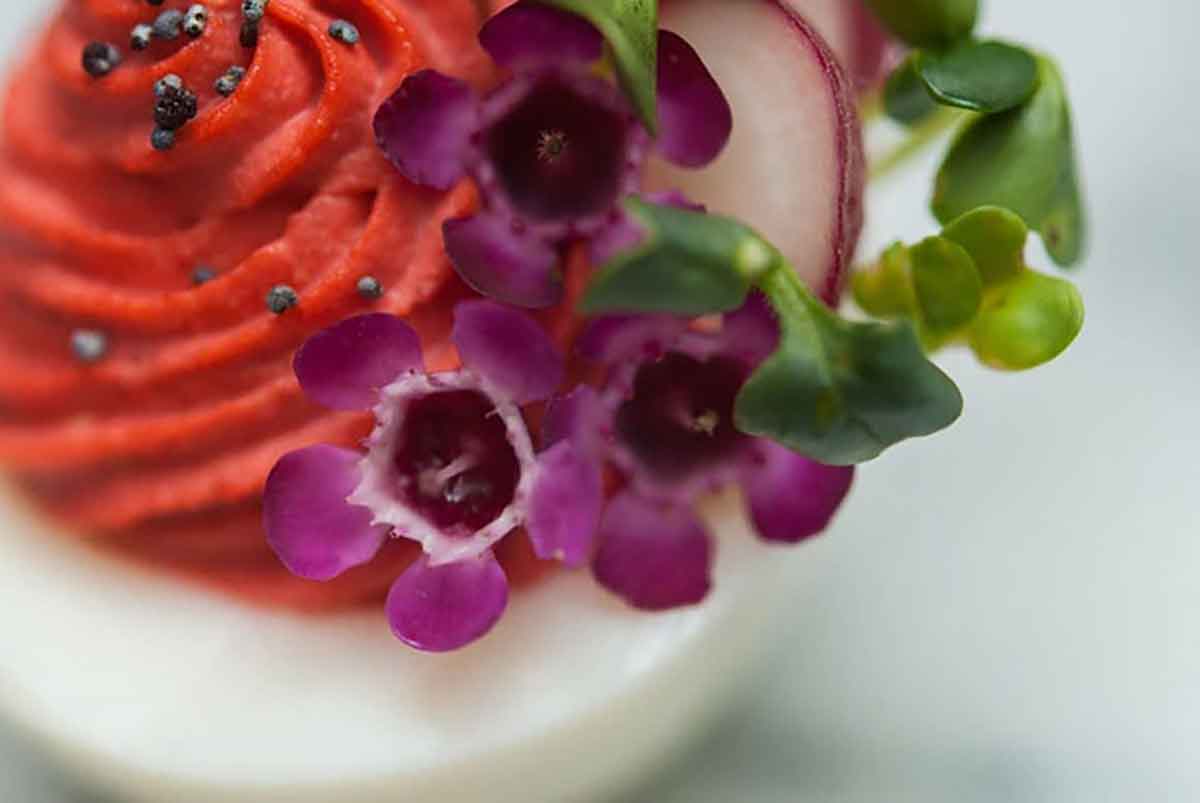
842 391
1017 151
969 284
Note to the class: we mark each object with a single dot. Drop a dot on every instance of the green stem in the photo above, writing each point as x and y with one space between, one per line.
920 137
796 308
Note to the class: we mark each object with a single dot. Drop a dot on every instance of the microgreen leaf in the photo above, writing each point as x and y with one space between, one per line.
927 23
1064 228
988 77
995 239
885 290
946 284
631 29
971 285
688 263
842 392
1027 321
935 284
1022 160
905 98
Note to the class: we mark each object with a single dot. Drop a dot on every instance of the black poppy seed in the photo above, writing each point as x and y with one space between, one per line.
203 274
344 31
168 83
99 58
228 83
174 108
370 288
196 20
168 23
254 10
89 345
282 298
162 139
155 2
140 36
248 37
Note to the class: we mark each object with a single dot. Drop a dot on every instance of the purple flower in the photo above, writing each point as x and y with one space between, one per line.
553 149
449 464
666 422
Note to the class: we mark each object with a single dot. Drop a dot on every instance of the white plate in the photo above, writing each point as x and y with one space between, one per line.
167 693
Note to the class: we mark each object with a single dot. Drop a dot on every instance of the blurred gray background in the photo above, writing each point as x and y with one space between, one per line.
1009 612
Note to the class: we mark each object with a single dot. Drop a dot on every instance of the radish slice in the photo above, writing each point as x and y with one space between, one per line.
835 21
794 166
852 33
873 49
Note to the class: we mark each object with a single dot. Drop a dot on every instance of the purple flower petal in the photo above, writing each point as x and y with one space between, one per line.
695 119
500 262
425 128
508 349
655 557
443 608
564 508
674 198
579 417
792 498
751 333
315 532
344 367
624 234
527 36
620 338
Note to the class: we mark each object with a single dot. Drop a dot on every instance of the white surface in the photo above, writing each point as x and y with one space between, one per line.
1010 612
167 694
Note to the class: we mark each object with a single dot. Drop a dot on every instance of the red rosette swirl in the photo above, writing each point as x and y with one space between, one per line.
159 450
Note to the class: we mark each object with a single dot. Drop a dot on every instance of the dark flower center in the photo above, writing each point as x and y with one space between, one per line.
680 419
551 145
454 463
560 154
